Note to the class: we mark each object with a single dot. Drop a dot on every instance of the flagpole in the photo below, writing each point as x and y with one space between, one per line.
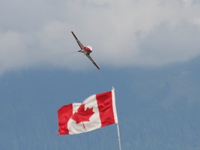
119 140
118 132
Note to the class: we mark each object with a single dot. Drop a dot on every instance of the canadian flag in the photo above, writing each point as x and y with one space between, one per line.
96 111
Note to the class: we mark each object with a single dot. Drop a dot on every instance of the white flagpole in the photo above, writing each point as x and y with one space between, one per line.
119 140
118 132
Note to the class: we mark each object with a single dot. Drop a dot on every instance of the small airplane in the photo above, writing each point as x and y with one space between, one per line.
85 50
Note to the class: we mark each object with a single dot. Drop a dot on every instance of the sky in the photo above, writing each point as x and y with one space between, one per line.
131 33
148 50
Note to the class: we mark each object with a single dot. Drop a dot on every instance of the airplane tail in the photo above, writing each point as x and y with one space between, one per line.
79 50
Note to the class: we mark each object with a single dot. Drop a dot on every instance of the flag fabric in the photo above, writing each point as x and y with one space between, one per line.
96 111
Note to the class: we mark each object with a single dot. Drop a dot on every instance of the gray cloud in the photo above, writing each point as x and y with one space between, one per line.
124 33
167 45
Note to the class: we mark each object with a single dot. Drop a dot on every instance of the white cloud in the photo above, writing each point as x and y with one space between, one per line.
122 33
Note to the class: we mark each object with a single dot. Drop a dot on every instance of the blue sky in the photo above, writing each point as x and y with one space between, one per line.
149 51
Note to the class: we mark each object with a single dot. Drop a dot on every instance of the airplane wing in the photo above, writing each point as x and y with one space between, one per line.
79 43
90 58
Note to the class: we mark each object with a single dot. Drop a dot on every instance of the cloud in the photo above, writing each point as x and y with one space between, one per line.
122 33
170 45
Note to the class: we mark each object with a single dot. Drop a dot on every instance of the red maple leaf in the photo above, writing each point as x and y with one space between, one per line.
82 114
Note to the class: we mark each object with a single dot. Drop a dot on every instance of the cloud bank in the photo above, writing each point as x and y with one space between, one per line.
129 33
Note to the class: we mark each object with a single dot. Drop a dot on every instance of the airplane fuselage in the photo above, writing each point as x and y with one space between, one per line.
86 50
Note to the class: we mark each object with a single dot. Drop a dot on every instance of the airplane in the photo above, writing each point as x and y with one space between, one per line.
85 50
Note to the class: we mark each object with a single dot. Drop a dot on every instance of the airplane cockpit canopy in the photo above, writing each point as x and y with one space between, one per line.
90 47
